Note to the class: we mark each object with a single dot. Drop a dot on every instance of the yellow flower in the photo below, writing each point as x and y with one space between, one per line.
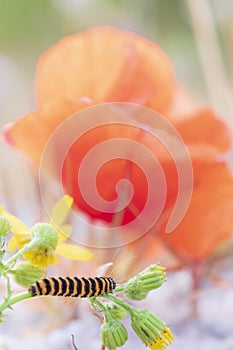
59 214
44 242
41 255
21 231
5 226
151 329
165 339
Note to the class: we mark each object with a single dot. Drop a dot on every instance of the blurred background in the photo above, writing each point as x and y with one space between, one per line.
197 35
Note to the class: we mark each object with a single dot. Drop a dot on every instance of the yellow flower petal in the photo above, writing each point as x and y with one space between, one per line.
12 244
64 232
41 257
61 210
20 230
19 240
17 225
162 343
72 252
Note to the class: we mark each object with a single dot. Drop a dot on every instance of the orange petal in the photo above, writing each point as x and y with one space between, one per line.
208 221
204 127
106 64
114 170
31 133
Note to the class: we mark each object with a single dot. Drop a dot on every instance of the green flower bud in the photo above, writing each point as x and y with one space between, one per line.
138 287
25 274
150 329
46 236
117 311
134 289
113 333
5 225
152 277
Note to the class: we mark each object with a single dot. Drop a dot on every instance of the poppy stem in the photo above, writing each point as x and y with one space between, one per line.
196 279
203 25
73 342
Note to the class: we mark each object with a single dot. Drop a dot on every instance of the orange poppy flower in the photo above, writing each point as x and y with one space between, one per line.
107 65
207 222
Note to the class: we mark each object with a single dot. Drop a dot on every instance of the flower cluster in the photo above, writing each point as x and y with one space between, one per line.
150 329
32 250
44 242
153 332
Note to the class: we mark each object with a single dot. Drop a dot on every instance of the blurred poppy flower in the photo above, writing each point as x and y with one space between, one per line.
207 222
107 65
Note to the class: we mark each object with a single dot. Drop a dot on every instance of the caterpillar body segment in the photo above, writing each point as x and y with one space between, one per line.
81 287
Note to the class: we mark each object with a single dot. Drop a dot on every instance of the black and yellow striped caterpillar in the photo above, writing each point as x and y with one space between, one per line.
73 286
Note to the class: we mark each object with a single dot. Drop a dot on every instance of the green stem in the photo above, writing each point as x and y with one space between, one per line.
1 240
120 302
94 301
8 302
119 288
1 248
10 262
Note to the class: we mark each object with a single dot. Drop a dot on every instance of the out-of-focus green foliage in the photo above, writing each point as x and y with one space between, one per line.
25 24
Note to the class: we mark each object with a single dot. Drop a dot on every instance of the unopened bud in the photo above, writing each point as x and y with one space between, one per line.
5 226
113 333
117 311
45 234
25 274
138 287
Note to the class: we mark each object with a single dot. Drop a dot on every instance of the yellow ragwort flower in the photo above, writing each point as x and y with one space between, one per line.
44 242
162 342
151 329
21 232
59 214
41 255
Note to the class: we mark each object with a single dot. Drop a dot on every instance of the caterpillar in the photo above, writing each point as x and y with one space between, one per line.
73 286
